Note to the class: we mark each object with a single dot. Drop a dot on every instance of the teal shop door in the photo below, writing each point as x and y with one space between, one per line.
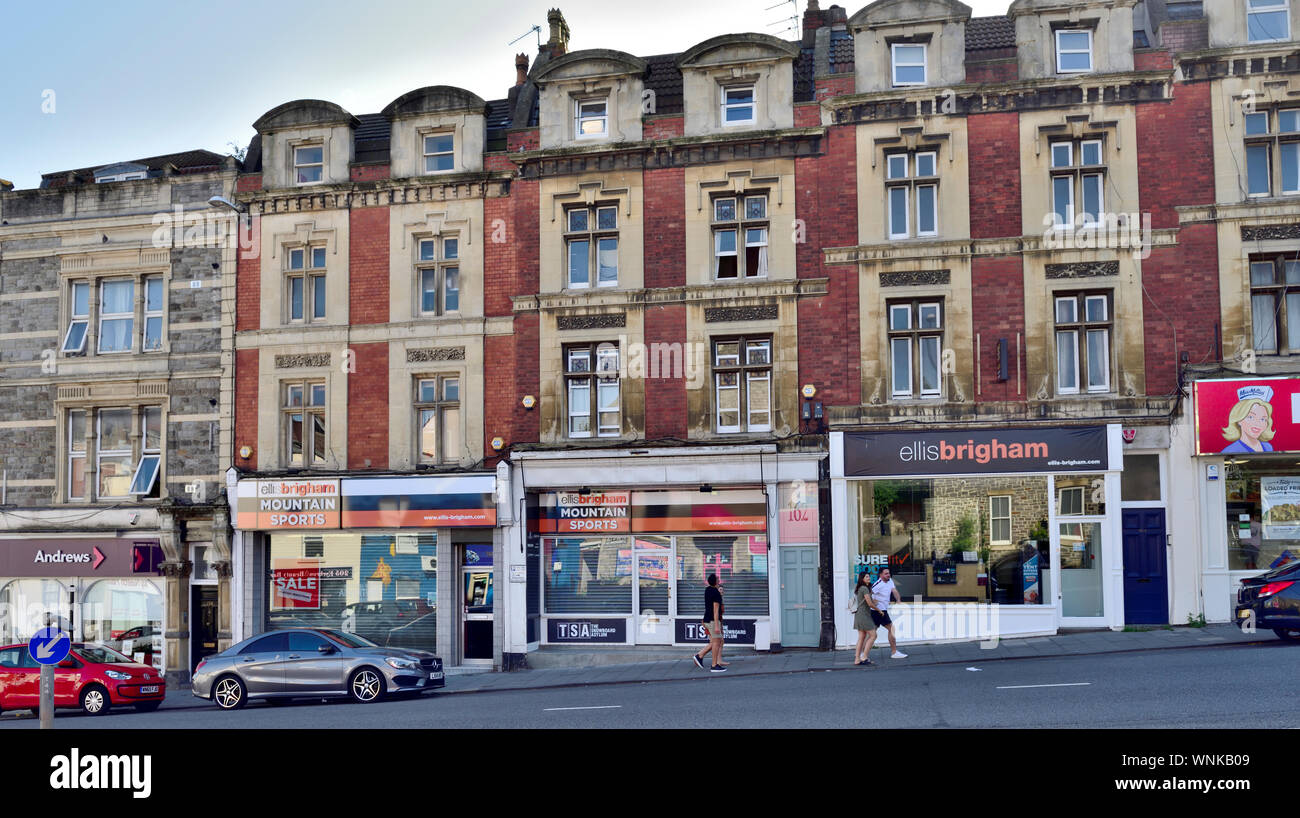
801 616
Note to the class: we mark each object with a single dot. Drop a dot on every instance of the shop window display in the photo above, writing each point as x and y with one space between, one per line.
126 615
948 540
27 605
381 586
1263 516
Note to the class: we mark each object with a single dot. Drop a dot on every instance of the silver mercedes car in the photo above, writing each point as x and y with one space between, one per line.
313 663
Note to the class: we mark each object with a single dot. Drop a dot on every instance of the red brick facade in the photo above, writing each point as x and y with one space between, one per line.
246 390
248 280
994 156
368 265
368 407
665 396
369 173
665 227
663 127
998 313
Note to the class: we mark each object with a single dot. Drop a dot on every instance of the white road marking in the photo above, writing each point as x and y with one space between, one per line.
1024 687
975 669
600 707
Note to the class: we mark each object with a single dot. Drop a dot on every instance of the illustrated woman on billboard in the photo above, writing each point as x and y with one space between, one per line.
1250 423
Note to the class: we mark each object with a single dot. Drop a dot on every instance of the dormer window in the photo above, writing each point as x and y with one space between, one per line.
1268 21
591 119
909 64
121 177
309 164
1073 51
439 152
738 105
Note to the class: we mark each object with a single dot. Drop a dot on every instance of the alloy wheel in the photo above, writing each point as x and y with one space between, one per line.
365 686
228 694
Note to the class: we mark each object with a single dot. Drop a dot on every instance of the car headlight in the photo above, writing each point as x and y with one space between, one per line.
399 663
113 674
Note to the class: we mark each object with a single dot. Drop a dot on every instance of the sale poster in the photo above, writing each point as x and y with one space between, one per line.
295 584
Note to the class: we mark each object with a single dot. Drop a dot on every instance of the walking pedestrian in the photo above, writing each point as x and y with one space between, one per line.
712 621
862 622
881 593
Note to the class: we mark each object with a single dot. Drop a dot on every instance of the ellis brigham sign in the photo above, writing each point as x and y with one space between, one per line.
976 451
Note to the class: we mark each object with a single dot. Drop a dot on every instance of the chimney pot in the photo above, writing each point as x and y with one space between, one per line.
558 45
521 68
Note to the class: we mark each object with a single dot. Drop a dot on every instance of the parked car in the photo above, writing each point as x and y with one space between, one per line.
313 663
92 677
1272 600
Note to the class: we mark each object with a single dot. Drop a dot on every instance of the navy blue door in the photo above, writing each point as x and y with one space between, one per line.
1146 594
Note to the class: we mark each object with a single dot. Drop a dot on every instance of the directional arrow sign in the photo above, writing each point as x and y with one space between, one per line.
49 646
99 557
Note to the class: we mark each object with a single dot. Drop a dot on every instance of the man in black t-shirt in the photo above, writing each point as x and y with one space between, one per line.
712 626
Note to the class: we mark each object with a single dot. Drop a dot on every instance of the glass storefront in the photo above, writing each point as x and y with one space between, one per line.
382 586
1263 514
623 576
124 614
980 539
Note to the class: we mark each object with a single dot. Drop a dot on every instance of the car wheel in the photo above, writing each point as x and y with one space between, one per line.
1288 634
229 693
366 685
147 707
94 700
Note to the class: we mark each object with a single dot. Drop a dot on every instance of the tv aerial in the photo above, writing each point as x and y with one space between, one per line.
538 31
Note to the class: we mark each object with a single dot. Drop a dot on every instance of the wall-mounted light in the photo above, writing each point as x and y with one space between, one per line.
245 452
498 443
529 401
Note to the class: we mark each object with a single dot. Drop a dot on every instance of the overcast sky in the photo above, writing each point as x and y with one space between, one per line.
89 83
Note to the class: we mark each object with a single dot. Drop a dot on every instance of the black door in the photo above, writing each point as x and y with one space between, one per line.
203 621
1146 600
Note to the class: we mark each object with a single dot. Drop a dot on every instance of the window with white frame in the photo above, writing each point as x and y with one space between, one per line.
742 384
1078 175
1273 152
738 105
1268 21
127 445
1275 303
591 246
437 411
304 423
908 63
912 194
1083 333
437 274
1073 51
1069 501
592 390
439 152
740 233
1000 519
915 348
305 283
591 118
74 340
122 177
309 164
153 314
116 315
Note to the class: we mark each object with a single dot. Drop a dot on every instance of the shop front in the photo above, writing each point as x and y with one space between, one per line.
613 558
987 533
1247 448
103 590
375 556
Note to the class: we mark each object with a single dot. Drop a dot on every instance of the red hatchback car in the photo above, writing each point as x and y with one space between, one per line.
93 677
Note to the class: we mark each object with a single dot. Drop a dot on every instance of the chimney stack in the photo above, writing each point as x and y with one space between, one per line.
558 45
521 68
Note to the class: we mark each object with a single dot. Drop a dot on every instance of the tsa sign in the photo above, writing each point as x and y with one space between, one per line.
49 646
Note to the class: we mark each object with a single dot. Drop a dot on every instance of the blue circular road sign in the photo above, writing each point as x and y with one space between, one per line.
49 646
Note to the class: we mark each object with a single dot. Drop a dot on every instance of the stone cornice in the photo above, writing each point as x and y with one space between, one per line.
707 295
963 249
1217 63
1261 211
671 153
1021 95
378 193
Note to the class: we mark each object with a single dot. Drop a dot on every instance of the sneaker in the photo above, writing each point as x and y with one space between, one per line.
718 669
898 654
698 663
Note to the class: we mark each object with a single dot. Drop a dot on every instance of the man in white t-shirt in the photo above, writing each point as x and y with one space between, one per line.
882 593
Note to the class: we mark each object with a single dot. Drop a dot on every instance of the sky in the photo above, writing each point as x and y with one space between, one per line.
90 83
